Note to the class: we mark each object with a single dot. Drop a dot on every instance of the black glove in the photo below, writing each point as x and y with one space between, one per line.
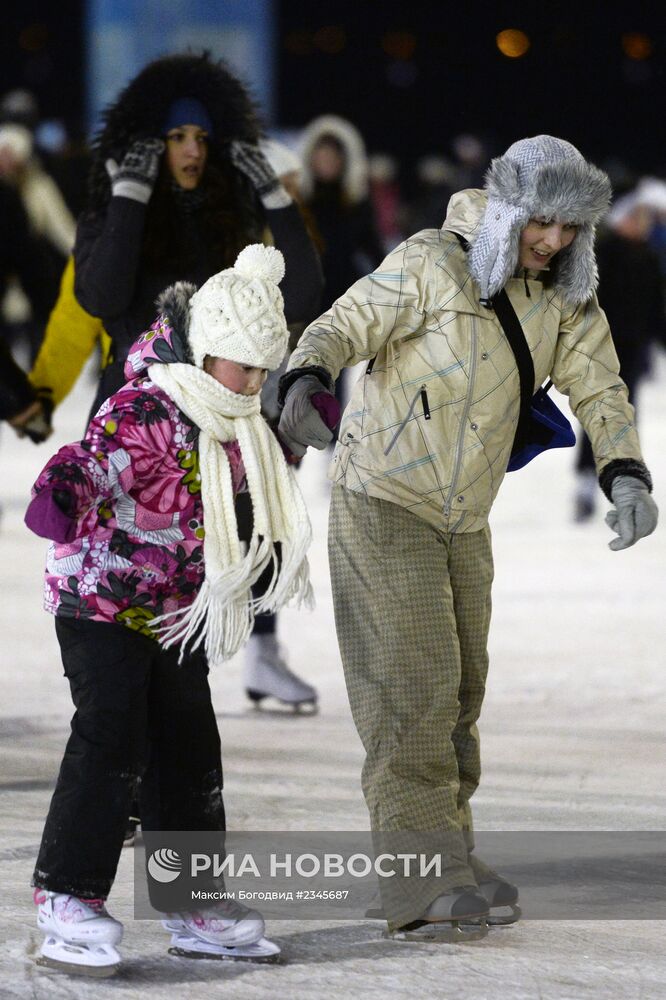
250 160
135 177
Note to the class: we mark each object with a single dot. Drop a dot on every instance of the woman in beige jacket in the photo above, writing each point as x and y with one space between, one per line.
422 449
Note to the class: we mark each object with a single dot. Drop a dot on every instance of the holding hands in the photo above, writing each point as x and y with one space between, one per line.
33 422
309 415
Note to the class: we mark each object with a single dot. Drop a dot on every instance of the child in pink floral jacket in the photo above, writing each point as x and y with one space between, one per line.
149 582
123 506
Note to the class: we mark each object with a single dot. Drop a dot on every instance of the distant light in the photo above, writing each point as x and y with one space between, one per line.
637 45
399 44
512 43
331 39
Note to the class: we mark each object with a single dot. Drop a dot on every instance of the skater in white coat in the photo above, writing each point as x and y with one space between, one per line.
445 404
150 582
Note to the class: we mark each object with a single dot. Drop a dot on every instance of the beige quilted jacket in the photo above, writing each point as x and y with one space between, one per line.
430 425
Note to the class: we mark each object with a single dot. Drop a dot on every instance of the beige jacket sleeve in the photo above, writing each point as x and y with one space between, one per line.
48 212
586 369
392 301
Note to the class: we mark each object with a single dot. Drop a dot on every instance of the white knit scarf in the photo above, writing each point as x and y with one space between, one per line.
223 611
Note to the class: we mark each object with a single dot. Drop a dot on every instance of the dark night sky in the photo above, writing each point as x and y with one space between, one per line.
42 50
575 80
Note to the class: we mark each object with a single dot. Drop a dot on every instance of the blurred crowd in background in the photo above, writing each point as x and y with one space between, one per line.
358 203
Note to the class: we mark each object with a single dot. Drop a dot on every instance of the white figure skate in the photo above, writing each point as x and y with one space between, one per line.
266 675
80 935
228 931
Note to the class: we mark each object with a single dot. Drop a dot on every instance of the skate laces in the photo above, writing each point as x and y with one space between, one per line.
69 908
95 904
225 913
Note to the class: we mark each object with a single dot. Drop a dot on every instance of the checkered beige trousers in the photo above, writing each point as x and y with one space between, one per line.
412 613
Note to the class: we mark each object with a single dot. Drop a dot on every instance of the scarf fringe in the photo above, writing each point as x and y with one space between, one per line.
223 611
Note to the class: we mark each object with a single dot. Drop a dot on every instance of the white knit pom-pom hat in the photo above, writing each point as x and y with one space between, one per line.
238 314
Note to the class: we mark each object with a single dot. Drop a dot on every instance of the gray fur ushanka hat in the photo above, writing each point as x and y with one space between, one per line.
548 178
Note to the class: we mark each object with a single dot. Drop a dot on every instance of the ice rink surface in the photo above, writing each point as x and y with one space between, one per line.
572 730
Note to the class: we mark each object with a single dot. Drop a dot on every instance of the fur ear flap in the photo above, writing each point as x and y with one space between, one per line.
576 276
503 180
174 303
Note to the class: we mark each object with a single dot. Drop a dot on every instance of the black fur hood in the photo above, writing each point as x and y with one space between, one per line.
141 108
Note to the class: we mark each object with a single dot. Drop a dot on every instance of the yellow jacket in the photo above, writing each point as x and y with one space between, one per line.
69 339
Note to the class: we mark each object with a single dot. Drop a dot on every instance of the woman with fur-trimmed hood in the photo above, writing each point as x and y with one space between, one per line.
448 402
178 187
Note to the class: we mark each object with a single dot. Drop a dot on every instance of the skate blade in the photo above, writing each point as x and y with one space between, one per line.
278 707
437 934
505 916
96 960
71 969
263 952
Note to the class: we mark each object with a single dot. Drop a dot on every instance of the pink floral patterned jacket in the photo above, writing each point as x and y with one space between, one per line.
123 506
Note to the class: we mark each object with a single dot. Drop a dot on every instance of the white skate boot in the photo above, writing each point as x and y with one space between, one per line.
227 931
80 935
266 675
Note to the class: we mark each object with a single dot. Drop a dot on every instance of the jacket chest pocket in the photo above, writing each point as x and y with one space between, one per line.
418 407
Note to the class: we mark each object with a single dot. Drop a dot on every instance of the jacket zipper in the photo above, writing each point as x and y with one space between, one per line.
426 413
463 422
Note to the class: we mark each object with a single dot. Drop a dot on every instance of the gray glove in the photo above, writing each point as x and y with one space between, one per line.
300 425
635 514
251 161
135 177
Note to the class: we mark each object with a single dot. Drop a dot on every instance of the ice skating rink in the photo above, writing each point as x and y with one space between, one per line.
572 731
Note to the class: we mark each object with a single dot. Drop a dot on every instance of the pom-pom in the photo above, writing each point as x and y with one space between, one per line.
259 261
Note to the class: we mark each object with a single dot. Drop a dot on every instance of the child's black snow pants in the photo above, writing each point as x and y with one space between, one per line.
142 723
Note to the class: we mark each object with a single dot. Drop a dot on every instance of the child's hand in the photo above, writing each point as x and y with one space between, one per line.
50 514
